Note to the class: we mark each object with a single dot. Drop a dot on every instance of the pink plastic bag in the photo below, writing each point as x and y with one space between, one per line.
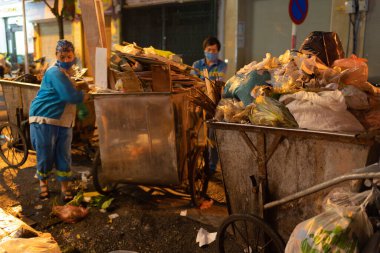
70 214
357 73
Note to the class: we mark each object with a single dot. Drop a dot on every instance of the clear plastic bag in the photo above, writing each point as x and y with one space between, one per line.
355 98
344 227
270 112
227 109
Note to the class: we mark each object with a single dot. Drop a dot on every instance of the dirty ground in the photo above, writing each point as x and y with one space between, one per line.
149 218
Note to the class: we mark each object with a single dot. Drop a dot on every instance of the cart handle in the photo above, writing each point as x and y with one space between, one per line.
322 186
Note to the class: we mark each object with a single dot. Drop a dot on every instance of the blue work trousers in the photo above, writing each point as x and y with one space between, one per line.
53 147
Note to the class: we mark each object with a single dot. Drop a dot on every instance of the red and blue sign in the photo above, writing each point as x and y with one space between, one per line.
298 10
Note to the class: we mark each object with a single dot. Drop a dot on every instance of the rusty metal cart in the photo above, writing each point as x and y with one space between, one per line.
150 138
14 135
273 168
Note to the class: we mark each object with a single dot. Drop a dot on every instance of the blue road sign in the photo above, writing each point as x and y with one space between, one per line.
298 10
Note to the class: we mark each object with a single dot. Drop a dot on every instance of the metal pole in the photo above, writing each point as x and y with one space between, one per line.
294 36
322 186
26 60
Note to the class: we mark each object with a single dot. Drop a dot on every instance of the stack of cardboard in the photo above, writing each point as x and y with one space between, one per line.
137 71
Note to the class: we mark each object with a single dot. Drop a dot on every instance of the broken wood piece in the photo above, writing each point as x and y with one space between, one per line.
209 89
130 81
161 79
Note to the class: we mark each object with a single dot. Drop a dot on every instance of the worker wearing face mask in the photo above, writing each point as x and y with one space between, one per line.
216 71
51 117
216 67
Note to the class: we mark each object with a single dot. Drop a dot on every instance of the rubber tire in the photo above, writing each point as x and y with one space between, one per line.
102 189
257 222
22 146
197 174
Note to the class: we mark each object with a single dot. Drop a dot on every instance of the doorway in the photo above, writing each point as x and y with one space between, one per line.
15 43
180 28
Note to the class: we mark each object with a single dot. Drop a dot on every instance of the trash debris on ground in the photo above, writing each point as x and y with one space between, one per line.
183 213
17 236
113 216
16 210
70 214
91 199
204 237
30 245
122 251
207 203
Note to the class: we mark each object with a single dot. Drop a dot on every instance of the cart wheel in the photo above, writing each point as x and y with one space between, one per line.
102 187
198 176
13 148
247 233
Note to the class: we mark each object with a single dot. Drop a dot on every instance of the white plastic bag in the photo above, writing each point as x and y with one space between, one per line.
325 110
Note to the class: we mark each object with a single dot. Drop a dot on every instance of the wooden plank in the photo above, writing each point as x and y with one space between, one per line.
130 81
94 29
101 23
161 79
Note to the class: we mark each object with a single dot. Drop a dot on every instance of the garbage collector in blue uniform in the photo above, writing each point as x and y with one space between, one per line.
216 67
216 70
52 117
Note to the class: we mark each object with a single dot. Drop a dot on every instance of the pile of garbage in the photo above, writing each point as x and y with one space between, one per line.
299 88
137 69
17 236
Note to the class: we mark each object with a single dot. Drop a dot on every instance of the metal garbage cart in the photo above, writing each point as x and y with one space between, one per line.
14 134
281 162
150 138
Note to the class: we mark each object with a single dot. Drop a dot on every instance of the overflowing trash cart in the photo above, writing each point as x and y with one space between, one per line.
150 132
291 131
262 166
150 139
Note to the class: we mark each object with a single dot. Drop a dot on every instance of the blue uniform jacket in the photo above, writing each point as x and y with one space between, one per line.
55 101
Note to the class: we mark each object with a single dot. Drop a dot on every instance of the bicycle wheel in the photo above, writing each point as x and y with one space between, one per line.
248 234
101 186
13 148
198 175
